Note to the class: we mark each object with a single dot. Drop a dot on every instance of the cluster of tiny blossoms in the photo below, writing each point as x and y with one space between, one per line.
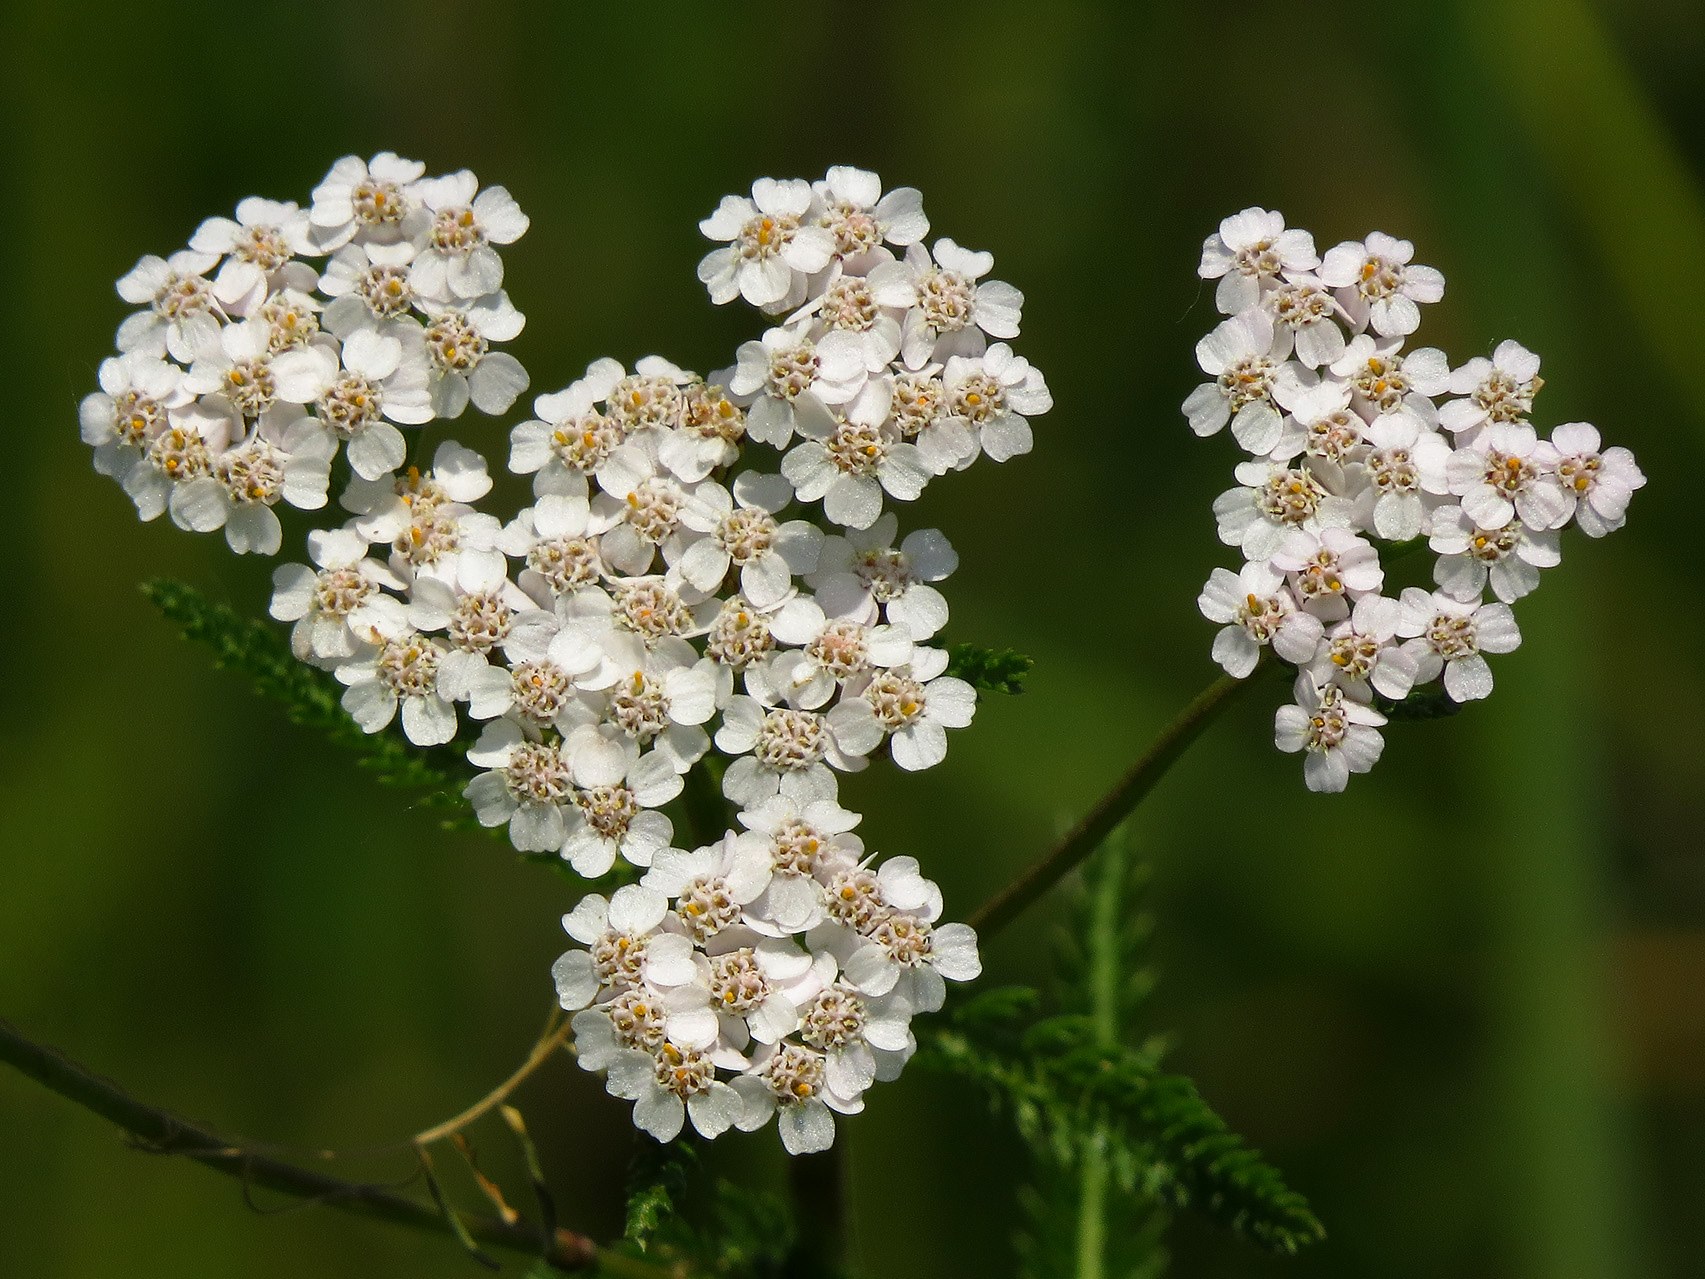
663 595
1358 445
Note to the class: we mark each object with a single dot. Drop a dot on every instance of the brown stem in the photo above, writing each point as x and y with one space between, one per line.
555 1036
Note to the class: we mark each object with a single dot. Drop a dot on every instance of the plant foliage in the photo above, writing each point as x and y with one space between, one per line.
989 670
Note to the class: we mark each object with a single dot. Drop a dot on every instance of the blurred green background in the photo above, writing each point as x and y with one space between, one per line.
1463 1006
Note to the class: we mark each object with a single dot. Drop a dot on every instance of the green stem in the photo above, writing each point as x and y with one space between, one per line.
162 1132
1084 838
1104 980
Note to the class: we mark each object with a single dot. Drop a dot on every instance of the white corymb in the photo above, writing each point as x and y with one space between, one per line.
852 207
741 532
1362 651
1378 284
994 395
1340 735
1252 251
383 381
770 246
458 264
182 315
1257 609
1451 634
1500 389
401 671
849 461
259 249
1506 473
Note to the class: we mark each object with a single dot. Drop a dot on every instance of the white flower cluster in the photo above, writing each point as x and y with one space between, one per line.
277 337
661 595
1358 445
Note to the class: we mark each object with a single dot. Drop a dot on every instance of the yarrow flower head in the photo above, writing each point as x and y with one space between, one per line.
667 599
1361 449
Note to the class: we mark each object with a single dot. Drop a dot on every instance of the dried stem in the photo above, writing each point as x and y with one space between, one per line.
555 1035
162 1132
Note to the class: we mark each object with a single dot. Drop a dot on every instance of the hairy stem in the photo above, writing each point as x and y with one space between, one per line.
162 1132
1084 838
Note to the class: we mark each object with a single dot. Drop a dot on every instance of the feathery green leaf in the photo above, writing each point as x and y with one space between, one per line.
989 670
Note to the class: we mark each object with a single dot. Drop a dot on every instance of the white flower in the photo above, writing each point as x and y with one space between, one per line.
770 248
458 262
1273 500
1377 284
743 533
641 510
806 845
853 209
258 249
916 703
625 949
373 200
1341 736
558 542
179 452
792 1081
1500 389
1510 557
949 306
1257 609
528 785
1362 652
711 886
239 368
849 462
789 751
904 953
864 576
658 697
616 795
1451 634
426 516
1329 569
1598 485
340 607
277 462
675 1084
1304 312
862 1039
1248 253
465 367
831 653
1385 381
847 304
183 316
1238 355
370 288
994 395
712 427
1509 472
790 373
138 393
1403 460
1321 423
570 439
481 613
402 670
381 379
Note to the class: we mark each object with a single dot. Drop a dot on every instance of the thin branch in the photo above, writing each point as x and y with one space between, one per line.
1114 807
164 1133
555 1036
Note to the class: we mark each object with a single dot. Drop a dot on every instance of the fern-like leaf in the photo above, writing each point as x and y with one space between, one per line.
989 670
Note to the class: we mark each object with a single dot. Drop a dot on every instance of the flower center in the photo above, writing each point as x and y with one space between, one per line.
711 415
338 592
182 295
907 940
262 245
896 699
250 387
746 534
378 203
608 810
1509 473
947 299
794 1074
793 371
1261 616
917 400
686 1072
1579 472
790 740
457 231
480 622
428 538
795 847
135 417
638 402
855 448
1504 399
350 405
650 608
409 667
978 398
833 1020
1333 437
739 636
1452 636
653 509
1355 655
855 899
455 345
583 443
640 706
253 475
884 573
765 235
855 230
637 1019
292 324
737 984
386 290
1299 305
840 649
849 304
537 772
1259 260
181 454
1380 278
1246 381
566 563
541 690
706 908
1319 578
1382 382
1291 497
1393 471
618 959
